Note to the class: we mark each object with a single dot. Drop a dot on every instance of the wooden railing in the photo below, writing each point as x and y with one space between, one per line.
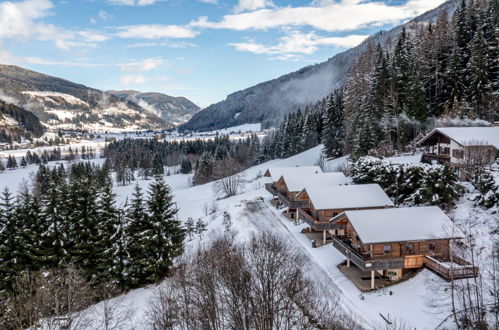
461 269
284 199
366 263
270 189
439 158
312 222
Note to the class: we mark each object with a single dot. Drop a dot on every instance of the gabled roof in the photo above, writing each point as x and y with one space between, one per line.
347 197
469 136
277 172
299 182
401 224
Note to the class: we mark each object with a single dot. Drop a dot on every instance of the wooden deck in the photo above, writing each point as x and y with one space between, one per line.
457 269
364 262
314 223
283 199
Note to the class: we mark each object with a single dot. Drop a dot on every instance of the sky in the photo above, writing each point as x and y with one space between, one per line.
200 49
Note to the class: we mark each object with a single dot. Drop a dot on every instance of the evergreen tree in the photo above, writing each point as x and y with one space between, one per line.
158 165
11 162
138 233
107 242
334 127
9 241
168 235
185 166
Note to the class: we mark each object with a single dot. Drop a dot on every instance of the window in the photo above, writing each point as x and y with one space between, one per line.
458 153
409 248
432 247
387 249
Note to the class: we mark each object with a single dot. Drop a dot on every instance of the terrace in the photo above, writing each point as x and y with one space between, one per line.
283 199
304 216
363 260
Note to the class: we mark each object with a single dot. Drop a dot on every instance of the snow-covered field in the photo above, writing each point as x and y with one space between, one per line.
244 128
420 303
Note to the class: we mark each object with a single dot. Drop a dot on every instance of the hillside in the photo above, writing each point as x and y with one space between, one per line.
16 122
176 110
269 101
59 103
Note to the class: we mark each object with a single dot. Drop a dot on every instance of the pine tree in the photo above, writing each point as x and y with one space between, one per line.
138 233
9 241
334 128
417 107
30 226
479 76
11 162
185 166
158 165
365 137
168 235
107 240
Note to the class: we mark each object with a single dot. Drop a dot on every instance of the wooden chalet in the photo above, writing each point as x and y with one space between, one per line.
388 242
290 186
319 203
277 189
450 144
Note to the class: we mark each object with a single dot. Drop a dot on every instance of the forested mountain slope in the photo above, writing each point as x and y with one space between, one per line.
16 122
269 101
60 103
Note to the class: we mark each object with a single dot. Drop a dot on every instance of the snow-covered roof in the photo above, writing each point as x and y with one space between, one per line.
277 172
299 182
347 197
401 224
469 136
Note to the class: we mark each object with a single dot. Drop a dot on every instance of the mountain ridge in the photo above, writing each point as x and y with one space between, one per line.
268 101
60 103
174 109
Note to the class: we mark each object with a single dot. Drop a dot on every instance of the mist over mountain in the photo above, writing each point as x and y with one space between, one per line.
269 101
60 103
176 110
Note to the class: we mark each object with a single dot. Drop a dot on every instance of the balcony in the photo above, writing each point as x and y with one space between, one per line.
457 269
284 200
441 159
365 262
316 225
270 189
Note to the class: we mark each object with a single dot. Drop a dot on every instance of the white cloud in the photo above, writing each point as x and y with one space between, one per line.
133 2
156 31
250 5
41 61
296 43
133 79
145 65
93 36
336 16
170 44
21 19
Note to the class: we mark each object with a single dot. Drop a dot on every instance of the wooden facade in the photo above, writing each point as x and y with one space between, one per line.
392 258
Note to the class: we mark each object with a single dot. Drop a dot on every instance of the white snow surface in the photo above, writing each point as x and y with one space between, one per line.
348 197
244 128
297 183
401 224
470 136
277 172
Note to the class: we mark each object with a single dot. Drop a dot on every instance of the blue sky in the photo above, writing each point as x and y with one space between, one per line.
201 49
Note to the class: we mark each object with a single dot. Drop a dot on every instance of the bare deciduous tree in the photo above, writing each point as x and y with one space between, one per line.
256 285
229 178
49 300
